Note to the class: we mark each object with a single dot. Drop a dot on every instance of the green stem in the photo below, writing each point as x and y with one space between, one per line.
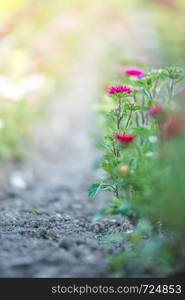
155 89
137 119
115 151
171 90
117 191
118 115
142 112
128 119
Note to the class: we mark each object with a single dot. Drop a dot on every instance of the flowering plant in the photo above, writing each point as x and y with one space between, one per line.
141 124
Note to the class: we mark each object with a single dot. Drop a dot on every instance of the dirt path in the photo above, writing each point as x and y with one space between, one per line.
45 214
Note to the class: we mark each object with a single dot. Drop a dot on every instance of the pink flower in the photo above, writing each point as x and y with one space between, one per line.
155 110
125 138
119 89
133 72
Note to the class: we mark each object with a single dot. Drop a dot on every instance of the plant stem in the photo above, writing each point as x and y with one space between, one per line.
170 90
115 151
128 119
116 191
142 112
118 115
137 119
155 89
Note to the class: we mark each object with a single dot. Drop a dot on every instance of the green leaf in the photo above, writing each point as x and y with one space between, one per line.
106 166
94 189
34 211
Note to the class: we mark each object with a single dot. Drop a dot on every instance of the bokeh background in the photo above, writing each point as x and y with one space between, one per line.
40 43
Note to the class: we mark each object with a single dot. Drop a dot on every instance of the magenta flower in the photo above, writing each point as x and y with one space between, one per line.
133 72
119 89
156 109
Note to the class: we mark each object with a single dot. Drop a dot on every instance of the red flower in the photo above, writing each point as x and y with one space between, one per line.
125 138
133 72
155 110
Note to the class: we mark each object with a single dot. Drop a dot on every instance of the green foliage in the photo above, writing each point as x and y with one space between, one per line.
94 189
140 173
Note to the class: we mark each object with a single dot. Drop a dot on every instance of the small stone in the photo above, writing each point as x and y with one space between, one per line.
67 218
97 228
